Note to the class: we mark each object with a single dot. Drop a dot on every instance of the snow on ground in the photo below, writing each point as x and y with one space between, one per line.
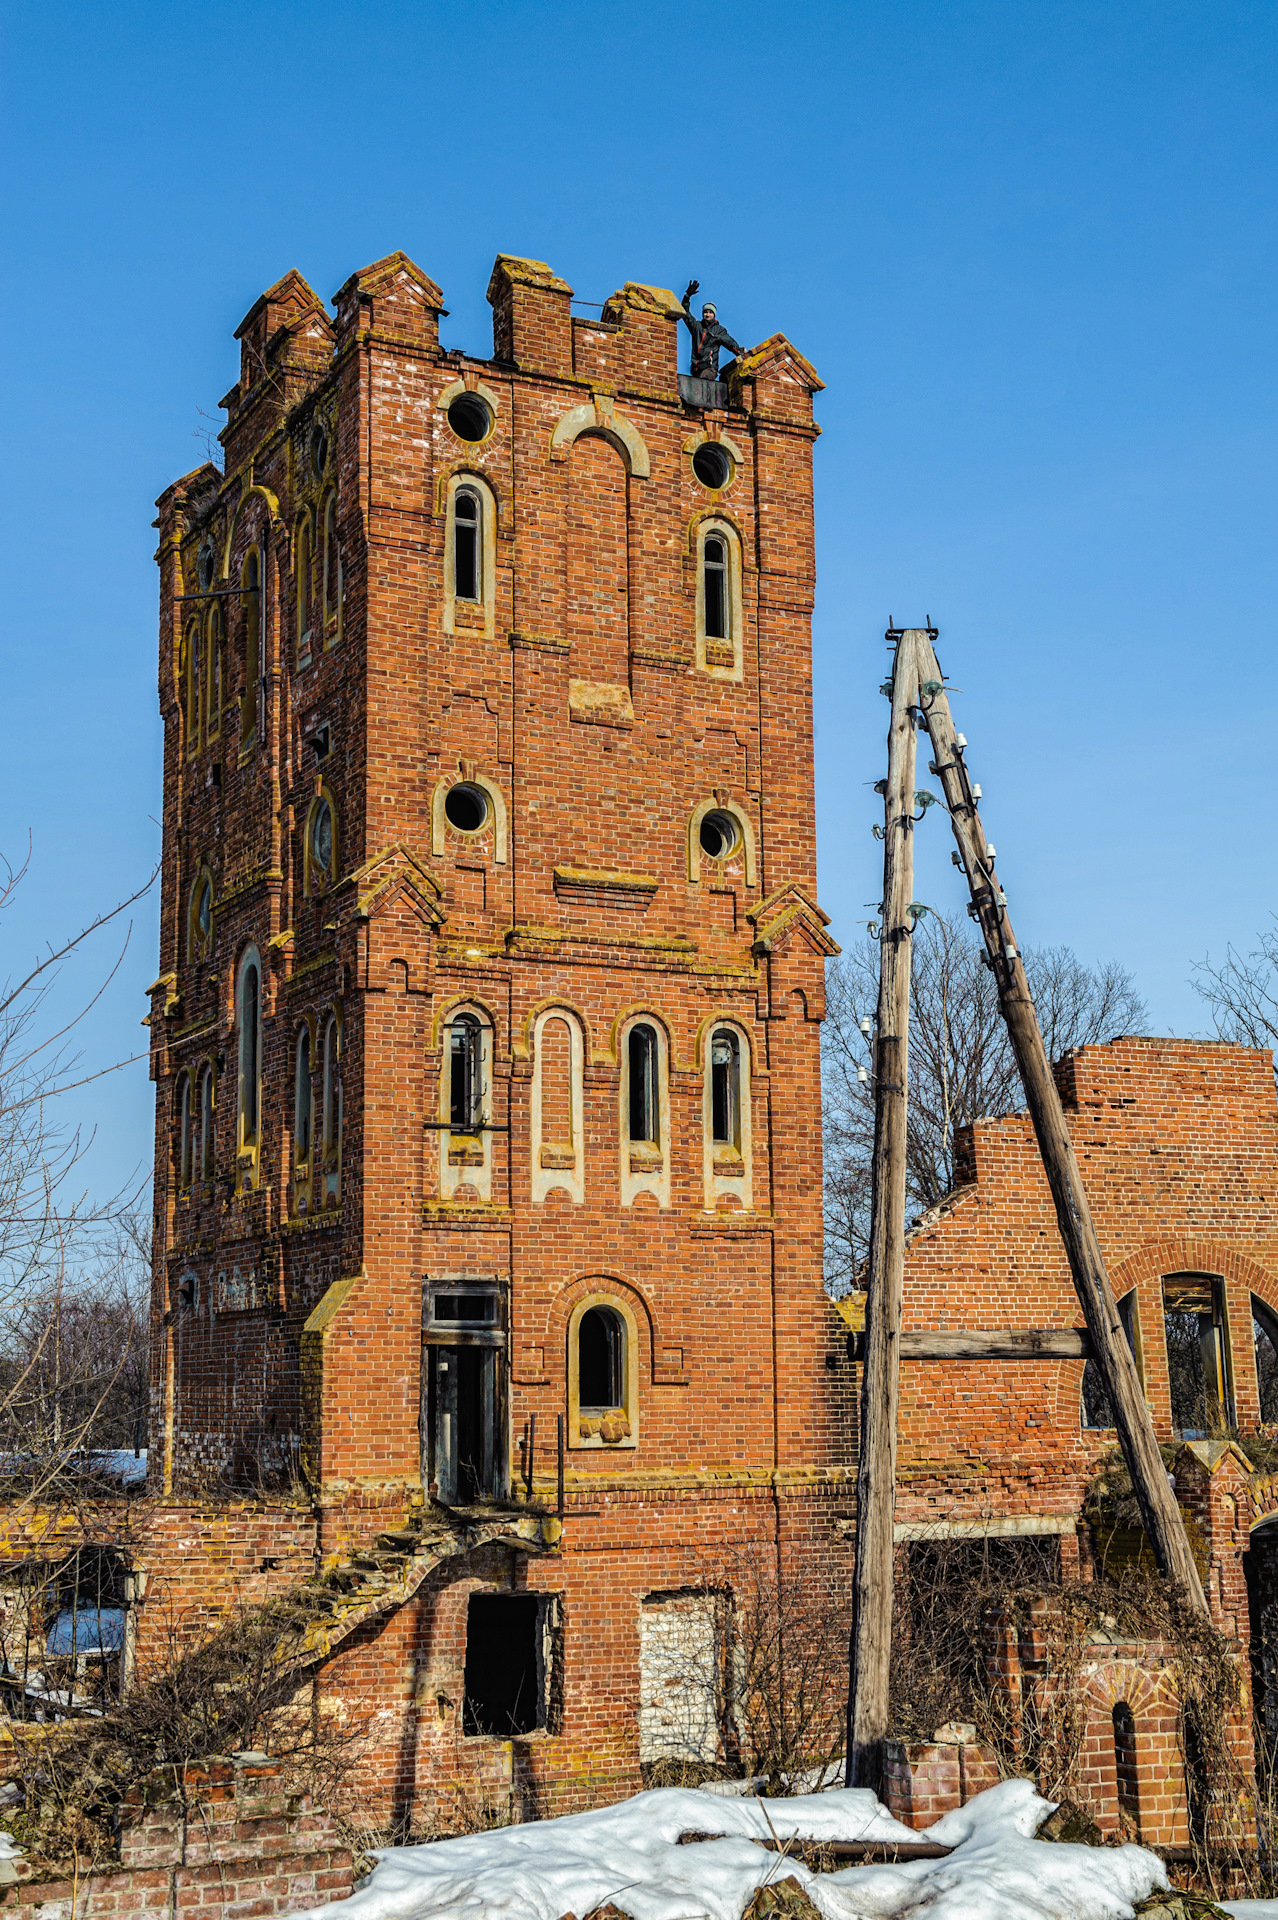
1251 1909
628 1855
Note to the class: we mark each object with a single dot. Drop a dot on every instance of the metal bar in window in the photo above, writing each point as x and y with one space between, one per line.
480 1126
216 593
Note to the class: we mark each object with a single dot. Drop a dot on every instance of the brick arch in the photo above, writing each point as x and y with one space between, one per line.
581 1287
1242 1275
521 1042
601 417
254 492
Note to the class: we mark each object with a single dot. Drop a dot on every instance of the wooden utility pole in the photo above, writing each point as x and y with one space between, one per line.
876 1468
1157 1502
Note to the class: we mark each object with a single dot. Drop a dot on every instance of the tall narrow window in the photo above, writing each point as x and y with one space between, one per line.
1096 1408
725 1088
1264 1333
194 686
321 847
206 1124
184 1133
213 674
332 575
600 1360
716 587
1128 1779
465 1081
331 1114
644 1105
467 528
250 1051
302 1100
251 603
1197 1357
302 573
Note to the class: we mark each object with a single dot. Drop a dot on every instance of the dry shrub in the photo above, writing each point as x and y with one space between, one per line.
219 1690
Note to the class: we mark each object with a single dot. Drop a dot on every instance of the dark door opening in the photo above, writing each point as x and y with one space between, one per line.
1197 1357
505 1664
463 1424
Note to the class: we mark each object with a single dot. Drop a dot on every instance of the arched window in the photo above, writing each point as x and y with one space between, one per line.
717 602
1124 1723
207 1143
601 1360
302 1099
200 924
1096 1408
725 1088
321 846
1264 1333
193 689
250 584
645 1102
332 575
1197 1355
302 581
184 1133
213 675
465 1074
331 1113
468 546
250 1068
603 1373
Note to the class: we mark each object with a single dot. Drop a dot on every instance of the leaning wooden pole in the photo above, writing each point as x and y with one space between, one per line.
1157 1502
876 1469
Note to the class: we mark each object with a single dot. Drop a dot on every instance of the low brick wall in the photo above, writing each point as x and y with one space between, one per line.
924 1780
236 1844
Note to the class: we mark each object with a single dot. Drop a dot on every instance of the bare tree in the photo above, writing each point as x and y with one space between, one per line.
70 1301
1242 991
961 1062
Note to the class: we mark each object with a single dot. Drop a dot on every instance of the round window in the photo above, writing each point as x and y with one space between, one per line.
319 450
470 417
322 841
466 808
206 566
712 465
204 913
720 835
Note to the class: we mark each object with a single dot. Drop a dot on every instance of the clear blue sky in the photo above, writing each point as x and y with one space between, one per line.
1029 247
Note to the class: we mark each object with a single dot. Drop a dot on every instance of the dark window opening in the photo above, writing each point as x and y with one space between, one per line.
469 1309
1197 1359
1264 1333
463 1415
466 808
184 1133
1260 1569
1097 1410
642 1052
716 587
506 1636
319 452
470 418
1125 1761
711 465
725 1089
600 1357
322 845
251 603
206 1124
718 835
465 1073
466 528
302 1099
248 1053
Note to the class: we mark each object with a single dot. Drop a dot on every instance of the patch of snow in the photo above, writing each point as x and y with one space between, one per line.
628 1854
1250 1909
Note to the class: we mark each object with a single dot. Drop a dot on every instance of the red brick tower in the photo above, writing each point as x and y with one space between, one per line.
486 1037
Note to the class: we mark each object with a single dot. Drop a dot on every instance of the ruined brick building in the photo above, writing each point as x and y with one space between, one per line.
486 1032
488 1252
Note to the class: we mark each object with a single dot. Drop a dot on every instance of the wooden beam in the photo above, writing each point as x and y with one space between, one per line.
1157 1501
880 1379
973 1343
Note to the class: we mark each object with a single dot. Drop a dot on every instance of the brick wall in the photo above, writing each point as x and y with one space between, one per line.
236 1841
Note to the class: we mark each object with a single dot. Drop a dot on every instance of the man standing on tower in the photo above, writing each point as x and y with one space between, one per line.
708 337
